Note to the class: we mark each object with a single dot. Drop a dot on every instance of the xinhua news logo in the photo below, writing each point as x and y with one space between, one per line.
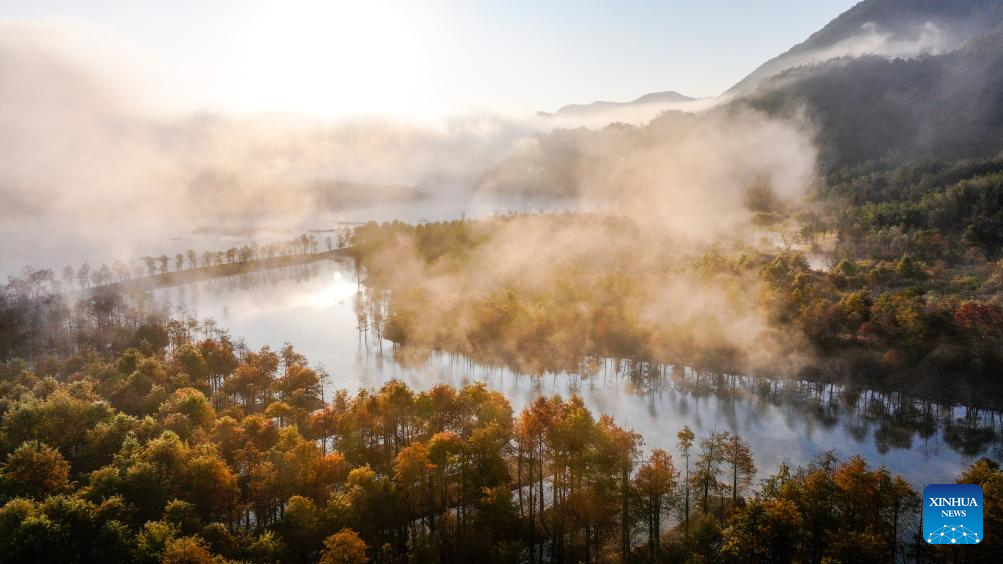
952 514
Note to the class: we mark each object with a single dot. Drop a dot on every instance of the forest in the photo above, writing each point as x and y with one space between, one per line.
888 274
391 282
130 434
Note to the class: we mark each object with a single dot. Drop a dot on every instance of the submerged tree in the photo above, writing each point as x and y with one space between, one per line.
685 438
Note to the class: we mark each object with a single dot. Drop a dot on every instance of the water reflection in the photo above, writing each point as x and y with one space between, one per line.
922 436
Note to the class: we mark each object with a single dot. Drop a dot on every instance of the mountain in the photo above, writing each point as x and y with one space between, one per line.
655 98
888 81
886 28
870 108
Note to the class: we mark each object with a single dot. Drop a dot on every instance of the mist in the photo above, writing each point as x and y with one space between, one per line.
873 40
60 108
639 272
686 173
94 149
859 37
102 170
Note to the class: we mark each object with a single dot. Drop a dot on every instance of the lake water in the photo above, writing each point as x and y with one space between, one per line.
789 421
56 242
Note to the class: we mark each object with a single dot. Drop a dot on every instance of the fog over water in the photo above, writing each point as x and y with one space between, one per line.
51 243
783 420
97 167
89 175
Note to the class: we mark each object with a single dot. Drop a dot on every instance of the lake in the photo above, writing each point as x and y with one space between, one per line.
56 242
784 420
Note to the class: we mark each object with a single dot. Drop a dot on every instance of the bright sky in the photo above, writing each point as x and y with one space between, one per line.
441 57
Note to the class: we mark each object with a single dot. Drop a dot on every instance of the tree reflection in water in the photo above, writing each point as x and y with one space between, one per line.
332 318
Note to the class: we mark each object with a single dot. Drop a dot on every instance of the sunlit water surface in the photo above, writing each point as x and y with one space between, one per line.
783 420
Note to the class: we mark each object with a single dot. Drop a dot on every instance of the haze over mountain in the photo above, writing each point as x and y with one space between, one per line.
942 100
888 80
599 107
886 28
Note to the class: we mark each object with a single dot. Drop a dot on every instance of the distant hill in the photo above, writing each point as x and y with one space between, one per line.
655 98
887 28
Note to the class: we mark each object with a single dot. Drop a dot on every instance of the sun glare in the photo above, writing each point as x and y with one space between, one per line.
330 58
339 290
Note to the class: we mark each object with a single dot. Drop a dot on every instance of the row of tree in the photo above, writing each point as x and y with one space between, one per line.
86 276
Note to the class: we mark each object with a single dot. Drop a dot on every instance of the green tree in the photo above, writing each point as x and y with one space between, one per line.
34 470
186 410
344 547
685 439
655 483
187 550
738 456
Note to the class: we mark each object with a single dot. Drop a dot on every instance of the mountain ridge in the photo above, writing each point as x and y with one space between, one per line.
945 106
896 23
599 106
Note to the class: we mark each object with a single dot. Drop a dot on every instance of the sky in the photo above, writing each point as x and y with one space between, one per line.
434 57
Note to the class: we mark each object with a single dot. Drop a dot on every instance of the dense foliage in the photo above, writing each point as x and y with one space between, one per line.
155 439
943 105
938 211
127 434
896 298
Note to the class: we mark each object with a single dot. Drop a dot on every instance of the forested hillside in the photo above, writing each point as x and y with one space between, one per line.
904 28
871 108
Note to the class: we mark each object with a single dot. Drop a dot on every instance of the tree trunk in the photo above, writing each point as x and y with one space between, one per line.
624 517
